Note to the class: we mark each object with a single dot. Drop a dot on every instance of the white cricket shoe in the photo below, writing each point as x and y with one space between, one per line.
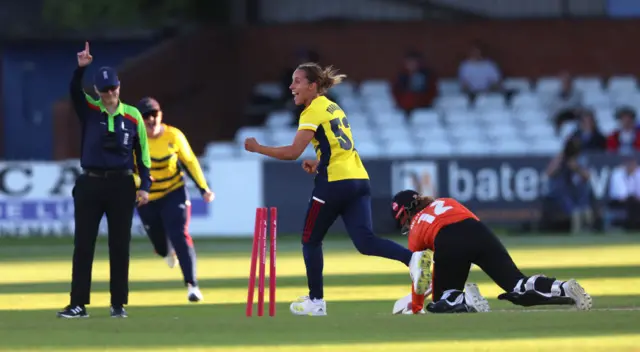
171 259
474 299
573 289
306 306
420 271
194 294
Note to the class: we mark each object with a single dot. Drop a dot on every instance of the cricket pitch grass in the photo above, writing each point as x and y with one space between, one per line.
360 292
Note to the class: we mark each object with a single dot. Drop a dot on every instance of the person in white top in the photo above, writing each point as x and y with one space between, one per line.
478 74
624 191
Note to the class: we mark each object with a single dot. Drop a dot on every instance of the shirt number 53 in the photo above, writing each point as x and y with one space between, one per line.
337 126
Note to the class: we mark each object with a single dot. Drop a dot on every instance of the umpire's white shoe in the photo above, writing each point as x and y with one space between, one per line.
474 299
171 259
573 289
306 306
194 294
420 271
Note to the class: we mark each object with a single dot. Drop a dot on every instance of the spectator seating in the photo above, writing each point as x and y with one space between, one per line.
455 125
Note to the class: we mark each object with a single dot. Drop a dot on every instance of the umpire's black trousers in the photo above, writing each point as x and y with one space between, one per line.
97 193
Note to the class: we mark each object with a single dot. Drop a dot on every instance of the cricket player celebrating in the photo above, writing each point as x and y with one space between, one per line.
342 186
457 239
169 209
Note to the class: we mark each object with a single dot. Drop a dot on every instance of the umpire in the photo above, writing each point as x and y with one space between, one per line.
111 132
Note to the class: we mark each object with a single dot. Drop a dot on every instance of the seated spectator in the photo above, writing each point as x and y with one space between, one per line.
569 185
566 105
625 139
589 133
415 86
624 192
478 74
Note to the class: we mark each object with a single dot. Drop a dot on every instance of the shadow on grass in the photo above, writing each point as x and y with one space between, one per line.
329 280
207 325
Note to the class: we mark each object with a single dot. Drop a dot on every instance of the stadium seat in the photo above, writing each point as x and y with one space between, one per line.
350 104
395 133
546 146
449 86
362 134
424 117
391 118
548 85
399 148
272 90
493 117
468 147
604 114
255 132
626 99
460 117
435 148
509 146
221 150
517 84
279 119
283 136
452 102
502 131
489 101
345 89
375 88
596 99
531 116
608 126
467 133
368 149
587 84
358 119
432 132
538 131
622 84
525 101
377 104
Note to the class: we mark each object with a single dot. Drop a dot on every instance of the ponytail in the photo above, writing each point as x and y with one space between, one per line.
325 78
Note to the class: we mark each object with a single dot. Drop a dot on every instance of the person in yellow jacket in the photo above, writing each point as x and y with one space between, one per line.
166 216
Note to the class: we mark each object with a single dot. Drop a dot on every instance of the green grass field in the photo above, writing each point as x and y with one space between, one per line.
360 292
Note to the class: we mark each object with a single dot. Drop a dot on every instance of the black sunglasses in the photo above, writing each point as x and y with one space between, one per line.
108 89
148 114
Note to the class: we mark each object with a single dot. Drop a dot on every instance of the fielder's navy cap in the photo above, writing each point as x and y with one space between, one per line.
106 77
148 104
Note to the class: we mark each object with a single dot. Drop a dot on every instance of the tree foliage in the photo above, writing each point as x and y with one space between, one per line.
86 14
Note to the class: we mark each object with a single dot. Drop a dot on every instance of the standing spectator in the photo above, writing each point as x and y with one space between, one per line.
589 133
624 191
569 184
478 74
415 85
626 139
565 105
112 133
